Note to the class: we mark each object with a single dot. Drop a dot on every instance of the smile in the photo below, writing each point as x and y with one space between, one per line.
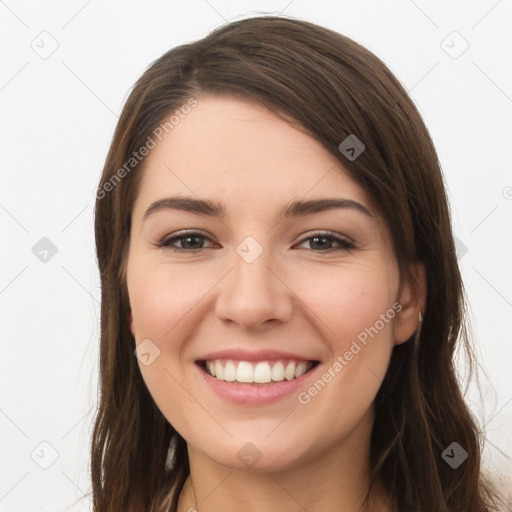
256 372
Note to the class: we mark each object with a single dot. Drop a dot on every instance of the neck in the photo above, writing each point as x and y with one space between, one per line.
335 479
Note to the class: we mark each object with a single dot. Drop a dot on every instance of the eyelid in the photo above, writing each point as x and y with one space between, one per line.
326 233
163 243
344 243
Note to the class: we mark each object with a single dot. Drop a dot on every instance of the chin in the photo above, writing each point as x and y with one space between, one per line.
257 455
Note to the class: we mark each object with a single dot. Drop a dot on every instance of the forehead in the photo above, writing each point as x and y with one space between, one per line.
236 150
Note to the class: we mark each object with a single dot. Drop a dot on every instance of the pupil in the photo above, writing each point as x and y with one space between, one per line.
316 238
188 238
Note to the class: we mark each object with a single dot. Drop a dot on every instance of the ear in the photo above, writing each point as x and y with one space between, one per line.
412 297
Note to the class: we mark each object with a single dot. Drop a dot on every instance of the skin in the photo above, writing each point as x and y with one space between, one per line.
297 296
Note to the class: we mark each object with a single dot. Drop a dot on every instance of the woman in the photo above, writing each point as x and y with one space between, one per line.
281 299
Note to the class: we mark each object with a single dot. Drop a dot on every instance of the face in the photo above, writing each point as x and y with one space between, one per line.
295 307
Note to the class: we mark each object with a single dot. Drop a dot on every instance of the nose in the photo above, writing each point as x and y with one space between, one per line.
253 295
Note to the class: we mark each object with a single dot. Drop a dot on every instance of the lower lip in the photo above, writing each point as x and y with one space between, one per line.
255 394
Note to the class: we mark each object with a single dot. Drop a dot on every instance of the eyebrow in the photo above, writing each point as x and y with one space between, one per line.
216 209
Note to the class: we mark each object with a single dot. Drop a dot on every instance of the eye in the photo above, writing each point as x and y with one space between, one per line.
190 241
322 242
193 241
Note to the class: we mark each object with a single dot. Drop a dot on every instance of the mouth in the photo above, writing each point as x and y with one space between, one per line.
264 373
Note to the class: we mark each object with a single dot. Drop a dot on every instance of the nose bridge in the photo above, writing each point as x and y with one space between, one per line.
252 293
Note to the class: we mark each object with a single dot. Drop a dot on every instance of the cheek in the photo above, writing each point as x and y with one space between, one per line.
356 310
349 301
161 299
162 304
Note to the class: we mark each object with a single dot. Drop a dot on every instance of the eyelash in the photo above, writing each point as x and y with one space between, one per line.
345 245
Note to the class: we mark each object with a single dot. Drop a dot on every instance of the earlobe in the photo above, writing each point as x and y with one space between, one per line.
412 297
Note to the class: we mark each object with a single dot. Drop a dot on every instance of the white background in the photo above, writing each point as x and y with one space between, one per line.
58 116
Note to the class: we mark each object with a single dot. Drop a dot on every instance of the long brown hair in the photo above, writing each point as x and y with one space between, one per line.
332 88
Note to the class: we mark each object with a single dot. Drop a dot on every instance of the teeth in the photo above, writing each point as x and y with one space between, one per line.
278 372
244 372
300 370
262 372
289 372
230 371
219 371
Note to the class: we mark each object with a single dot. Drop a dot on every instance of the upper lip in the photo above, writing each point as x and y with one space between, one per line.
257 355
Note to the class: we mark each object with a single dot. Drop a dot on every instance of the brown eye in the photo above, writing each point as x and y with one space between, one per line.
322 242
190 242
